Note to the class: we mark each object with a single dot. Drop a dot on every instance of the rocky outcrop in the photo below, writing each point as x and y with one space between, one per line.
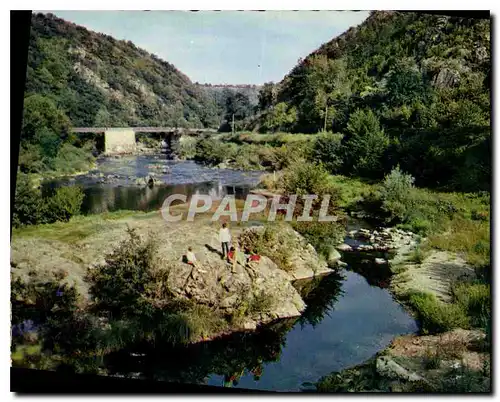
383 239
305 262
446 78
258 290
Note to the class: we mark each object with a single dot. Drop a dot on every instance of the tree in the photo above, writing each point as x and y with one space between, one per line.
406 85
364 144
267 96
40 112
280 117
328 150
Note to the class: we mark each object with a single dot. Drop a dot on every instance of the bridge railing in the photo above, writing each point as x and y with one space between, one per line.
142 129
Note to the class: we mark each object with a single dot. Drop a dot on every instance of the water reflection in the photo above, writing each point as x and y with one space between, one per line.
100 199
113 186
346 322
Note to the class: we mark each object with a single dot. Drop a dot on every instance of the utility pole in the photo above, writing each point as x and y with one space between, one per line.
326 116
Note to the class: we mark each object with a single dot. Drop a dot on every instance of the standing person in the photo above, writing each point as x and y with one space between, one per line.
224 238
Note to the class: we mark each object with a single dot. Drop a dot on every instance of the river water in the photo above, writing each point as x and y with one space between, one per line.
349 317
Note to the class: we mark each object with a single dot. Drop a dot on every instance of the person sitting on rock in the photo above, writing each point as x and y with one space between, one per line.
191 259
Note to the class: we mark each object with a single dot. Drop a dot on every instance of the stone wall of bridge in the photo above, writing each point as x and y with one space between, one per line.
119 142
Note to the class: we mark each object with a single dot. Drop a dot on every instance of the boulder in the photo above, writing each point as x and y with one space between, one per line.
387 367
344 247
219 286
333 255
380 261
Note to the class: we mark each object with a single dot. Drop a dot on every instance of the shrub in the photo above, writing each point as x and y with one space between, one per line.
328 150
435 316
119 285
272 242
306 179
64 204
29 207
365 144
322 235
396 193
30 159
41 299
261 303
475 299
187 147
418 255
71 159
210 152
432 360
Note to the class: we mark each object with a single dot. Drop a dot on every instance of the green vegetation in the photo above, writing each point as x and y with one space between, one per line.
30 208
475 300
402 88
131 303
436 316
272 242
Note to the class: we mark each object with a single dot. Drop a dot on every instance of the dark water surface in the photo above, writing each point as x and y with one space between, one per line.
349 317
346 322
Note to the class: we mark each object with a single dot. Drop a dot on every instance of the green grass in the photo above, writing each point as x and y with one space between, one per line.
78 227
352 190
435 316
475 299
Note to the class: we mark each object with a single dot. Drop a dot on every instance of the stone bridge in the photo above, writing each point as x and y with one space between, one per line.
118 140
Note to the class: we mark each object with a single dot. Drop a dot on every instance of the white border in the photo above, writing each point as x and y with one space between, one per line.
184 5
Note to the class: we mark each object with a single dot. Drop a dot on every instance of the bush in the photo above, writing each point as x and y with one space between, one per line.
435 316
213 152
475 299
30 159
396 194
306 178
71 159
322 235
272 242
187 147
29 207
120 284
328 151
64 204
365 144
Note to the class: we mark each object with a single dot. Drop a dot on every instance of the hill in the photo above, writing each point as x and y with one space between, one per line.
421 81
97 80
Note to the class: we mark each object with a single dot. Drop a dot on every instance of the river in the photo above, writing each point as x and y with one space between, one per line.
349 317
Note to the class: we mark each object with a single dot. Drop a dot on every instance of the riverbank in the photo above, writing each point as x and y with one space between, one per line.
88 242
442 278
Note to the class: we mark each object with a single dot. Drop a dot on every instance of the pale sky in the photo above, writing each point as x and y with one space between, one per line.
231 47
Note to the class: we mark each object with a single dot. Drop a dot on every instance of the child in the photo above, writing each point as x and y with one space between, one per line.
225 238
191 259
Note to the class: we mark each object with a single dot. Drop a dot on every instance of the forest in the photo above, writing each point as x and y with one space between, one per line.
407 89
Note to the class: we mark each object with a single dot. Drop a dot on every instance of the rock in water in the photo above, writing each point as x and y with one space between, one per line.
333 255
380 261
344 247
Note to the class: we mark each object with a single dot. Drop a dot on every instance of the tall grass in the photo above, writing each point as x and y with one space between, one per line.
436 316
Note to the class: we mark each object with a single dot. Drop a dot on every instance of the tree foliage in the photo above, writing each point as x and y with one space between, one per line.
403 88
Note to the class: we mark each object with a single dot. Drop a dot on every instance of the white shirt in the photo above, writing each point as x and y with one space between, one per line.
224 235
190 256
